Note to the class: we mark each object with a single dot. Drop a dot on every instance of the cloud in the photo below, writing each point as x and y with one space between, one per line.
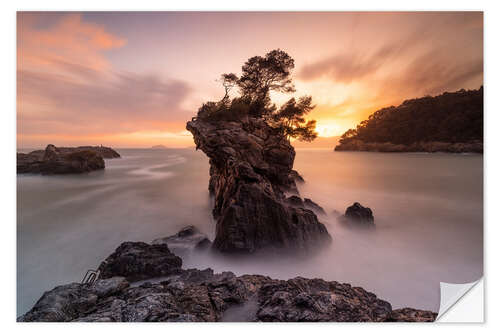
67 87
411 57
68 37
127 102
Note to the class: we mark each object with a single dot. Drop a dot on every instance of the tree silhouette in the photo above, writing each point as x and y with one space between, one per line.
260 76
228 82
290 119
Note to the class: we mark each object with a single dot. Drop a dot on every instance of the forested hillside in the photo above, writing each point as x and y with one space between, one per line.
426 123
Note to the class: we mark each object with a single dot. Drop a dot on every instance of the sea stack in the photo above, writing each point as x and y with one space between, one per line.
250 175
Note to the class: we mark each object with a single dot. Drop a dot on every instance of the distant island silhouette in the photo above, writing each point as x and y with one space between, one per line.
158 147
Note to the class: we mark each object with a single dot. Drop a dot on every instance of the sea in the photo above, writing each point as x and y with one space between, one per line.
428 211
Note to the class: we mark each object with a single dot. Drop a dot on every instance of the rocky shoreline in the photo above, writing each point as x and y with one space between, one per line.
64 160
143 282
257 208
426 147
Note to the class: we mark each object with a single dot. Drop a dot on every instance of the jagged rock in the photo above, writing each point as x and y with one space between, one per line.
301 299
296 176
296 201
250 172
185 241
63 160
138 261
201 295
412 315
308 203
357 215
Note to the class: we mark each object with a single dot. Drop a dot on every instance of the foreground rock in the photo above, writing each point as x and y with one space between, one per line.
250 173
138 261
63 160
358 216
202 295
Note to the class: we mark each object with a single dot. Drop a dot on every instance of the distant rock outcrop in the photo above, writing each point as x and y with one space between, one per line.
190 295
358 216
55 160
64 160
158 147
250 172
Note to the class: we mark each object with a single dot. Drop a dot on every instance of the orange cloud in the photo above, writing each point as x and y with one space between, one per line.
68 40
68 91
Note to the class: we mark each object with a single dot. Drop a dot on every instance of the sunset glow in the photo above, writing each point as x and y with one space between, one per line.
134 79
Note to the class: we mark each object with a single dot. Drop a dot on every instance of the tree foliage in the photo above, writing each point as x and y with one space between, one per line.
290 118
450 117
260 76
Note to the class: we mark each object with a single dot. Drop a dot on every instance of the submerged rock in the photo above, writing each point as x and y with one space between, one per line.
357 215
202 295
64 160
250 172
187 240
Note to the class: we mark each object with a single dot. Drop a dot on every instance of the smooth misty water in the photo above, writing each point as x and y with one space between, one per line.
428 210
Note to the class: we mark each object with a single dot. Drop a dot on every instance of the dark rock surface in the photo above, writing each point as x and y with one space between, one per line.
201 295
297 201
55 161
186 241
250 172
308 203
357 215
64 160
296 177
137 261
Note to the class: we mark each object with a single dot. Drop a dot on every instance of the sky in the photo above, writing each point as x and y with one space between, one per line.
133 79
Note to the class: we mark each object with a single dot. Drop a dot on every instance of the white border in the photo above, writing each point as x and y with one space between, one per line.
7 165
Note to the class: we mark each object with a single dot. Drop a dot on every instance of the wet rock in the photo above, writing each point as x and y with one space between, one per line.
250 172
296 177
308 203
295 201
201 295
187 240
138 261
357 215
412 315
301 299
55 160
106 287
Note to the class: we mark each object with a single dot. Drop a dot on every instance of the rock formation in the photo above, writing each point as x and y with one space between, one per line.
55 161
250 174
200 295
138 261
186 241
358 216
63 160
